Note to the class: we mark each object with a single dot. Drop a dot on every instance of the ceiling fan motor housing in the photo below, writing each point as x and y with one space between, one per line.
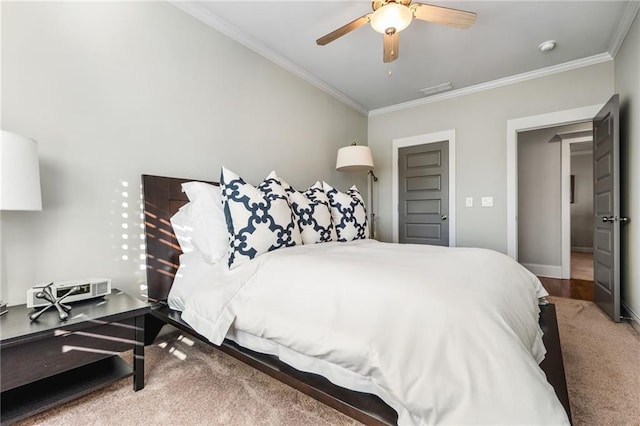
377 4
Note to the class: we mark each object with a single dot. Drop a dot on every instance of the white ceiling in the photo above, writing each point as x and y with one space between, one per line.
502 43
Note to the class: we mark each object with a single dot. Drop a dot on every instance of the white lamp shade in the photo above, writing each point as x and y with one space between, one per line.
354 158
19 173
391 15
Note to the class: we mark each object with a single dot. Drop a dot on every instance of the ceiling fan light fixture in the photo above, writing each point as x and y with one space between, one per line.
391 15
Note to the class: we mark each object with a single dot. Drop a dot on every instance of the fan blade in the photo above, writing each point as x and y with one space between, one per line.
443 15
390 47
353 25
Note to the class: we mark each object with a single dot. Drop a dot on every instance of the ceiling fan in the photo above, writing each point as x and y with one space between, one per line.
389 17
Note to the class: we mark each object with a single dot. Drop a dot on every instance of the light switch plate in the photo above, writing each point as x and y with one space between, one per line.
487 201
468 202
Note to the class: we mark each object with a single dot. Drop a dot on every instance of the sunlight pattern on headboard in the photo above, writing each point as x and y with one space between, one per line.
162 198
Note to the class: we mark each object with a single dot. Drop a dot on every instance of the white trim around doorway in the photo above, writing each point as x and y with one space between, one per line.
565 205
446 135
533 122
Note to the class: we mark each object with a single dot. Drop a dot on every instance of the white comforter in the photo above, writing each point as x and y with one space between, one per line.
442 335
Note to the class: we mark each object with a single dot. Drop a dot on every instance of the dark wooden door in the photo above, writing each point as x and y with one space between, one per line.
606 209
423 194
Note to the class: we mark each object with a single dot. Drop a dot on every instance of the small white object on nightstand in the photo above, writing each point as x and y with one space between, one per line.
87 289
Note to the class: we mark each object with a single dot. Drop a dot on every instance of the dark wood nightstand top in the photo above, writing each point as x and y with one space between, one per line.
15 326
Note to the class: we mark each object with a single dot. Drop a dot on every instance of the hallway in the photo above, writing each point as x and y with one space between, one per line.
582 266
580 286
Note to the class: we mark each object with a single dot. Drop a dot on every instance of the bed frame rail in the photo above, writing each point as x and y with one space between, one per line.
366 408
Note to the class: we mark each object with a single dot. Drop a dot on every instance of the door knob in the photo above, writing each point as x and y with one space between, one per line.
611 219
443 217
624 219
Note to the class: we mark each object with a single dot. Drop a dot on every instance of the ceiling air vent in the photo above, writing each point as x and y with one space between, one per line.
434 90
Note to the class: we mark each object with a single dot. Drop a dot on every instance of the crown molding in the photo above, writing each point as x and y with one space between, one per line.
625 24
200 12
543 72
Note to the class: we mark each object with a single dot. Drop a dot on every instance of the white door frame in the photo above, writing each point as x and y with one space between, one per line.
522 124
446 135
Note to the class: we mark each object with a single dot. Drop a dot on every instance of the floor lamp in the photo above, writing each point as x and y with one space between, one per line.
19 176
358 158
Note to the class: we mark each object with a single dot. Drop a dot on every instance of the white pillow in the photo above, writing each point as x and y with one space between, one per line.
205 227
348 212
312 212
259 219
183 229
192 269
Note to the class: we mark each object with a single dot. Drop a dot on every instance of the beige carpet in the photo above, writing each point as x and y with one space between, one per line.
189 383
602 364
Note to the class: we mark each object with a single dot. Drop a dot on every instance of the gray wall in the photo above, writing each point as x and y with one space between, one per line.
111 90
540 195
627 84
582 207
539 198
480 122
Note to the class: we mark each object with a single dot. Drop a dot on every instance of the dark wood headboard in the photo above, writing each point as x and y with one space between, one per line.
162 197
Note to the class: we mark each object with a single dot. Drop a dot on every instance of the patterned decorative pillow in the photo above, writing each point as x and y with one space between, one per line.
313 213
259 219
348 212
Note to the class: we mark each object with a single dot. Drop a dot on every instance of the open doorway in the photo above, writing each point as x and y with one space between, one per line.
555 206
581 201
607 216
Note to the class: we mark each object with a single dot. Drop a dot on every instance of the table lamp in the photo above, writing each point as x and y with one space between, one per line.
19 174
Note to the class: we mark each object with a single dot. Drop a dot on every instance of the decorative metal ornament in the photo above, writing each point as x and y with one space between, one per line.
47 294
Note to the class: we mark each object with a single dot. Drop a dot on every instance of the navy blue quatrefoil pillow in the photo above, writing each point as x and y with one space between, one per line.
312 212
348 212
259 219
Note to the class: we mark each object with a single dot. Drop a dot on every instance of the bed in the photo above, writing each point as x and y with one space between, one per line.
363 383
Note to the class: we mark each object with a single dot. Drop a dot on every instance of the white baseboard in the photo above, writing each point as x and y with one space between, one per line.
635 319
550 271
582 249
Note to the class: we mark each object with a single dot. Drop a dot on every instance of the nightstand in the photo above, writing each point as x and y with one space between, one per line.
47 362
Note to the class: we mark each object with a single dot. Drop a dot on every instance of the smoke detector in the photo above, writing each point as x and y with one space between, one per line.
547 45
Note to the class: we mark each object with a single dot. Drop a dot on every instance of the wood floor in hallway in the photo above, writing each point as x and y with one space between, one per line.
582 266
580 286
